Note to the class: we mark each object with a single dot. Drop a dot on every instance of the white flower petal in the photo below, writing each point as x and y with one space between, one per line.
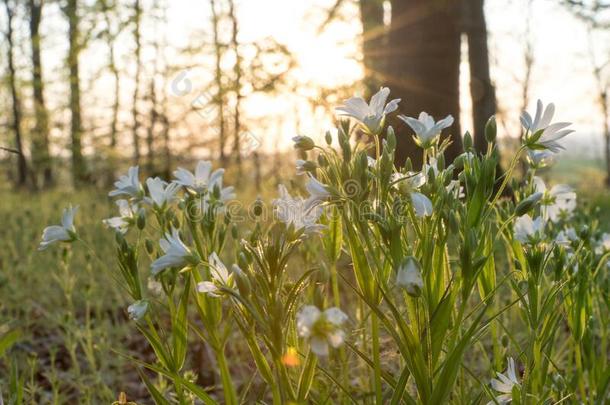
421 204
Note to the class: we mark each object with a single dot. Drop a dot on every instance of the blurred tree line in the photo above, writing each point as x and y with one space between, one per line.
240 69
412 46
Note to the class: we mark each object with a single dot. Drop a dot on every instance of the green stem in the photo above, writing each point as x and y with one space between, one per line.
335 285
225 375
581 383
376 359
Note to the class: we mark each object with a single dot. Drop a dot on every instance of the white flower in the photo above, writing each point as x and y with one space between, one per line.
528 230
425 128
421 204
128 184
371 162
60 233
137 310
432 164
539 159
177 254
456 189
371 116
161 193
504 385
124 220
560 199
409 277
219 276
321 328
409 183
552 133
467 156
201 180
566 237
604 244
225 193
317 191
302 214
219 270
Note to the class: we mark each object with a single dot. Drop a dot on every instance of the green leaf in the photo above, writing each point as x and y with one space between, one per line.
307 376
154 392
399 390
333 239
444 384
7 340
180 327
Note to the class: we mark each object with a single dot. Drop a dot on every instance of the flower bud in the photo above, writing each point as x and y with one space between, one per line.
505 341
391 139
527 204
137 310
491 130
467 141
409 277
243 284
150 248
258 207
345 147
141 220
322 162
408 165
303 142
309 166
328 138
318 298
234 232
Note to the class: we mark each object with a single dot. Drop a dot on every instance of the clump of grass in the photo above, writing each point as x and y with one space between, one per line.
382 285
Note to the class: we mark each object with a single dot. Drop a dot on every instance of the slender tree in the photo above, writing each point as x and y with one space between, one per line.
219 98
595 13
72 13
110 35
137 17
22 168
237 73
40 136
482 90
163 113
528 61
603 100
153 101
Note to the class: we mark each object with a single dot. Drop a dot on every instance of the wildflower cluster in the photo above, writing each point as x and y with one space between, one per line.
382 284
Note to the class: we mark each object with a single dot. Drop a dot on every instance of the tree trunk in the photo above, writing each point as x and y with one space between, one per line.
137 13
373 38
79 172
481 88
423 66
607 149
237 88
219 99
150 136
112 66
22 168
606 121
167 152
40 137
